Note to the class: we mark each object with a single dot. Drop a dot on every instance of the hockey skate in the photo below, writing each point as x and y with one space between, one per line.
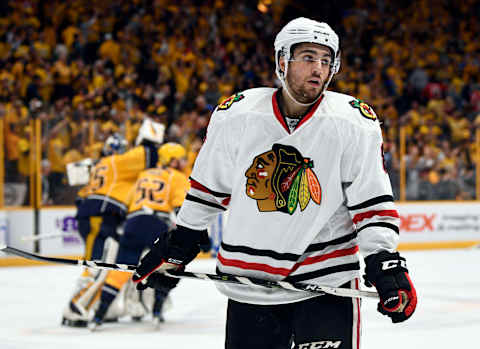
94 324
99 316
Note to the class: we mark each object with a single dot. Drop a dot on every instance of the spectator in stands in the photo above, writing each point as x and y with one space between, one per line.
109 61
446 188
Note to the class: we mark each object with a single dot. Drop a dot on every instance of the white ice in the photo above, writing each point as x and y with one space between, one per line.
447 316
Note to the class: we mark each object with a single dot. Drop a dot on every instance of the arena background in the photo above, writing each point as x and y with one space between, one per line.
74 72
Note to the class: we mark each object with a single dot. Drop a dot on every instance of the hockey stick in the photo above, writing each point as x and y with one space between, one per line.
47 236
312 288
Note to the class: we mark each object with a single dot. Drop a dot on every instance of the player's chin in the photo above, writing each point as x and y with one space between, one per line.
311 96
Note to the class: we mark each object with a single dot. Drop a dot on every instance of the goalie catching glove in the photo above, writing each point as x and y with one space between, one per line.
172 251
389 274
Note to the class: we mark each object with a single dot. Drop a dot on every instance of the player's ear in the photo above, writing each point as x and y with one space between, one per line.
281 63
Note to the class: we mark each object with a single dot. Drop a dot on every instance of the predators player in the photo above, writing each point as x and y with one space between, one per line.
89 228
106 201
157 193
91 221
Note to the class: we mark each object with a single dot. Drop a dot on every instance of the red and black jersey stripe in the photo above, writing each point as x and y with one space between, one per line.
371 202
219 197
324 271
241 263
380 212
190 197
197 185
316 247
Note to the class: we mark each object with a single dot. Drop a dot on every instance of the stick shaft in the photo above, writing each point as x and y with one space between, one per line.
312 288
46 236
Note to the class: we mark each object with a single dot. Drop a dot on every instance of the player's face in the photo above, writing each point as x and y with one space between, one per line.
259 176
178 163
308 71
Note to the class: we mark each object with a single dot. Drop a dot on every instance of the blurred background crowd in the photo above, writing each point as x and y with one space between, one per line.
88 69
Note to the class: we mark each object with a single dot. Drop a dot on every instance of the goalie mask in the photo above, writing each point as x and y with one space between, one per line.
115 144
304 30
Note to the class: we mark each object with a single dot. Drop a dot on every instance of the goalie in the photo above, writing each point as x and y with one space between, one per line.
157 195
103 209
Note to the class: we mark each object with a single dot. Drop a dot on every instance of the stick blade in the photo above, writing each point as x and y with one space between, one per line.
3 250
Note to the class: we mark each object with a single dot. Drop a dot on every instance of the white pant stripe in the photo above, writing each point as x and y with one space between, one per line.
357 326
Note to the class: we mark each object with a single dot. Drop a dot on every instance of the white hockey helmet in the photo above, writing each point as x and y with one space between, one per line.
302 30
151 131
115 144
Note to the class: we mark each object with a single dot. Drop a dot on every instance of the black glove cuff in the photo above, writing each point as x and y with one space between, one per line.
187 238
383 263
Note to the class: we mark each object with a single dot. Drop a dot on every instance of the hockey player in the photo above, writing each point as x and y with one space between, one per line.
105 204
157 193
89 228
90 219
301 170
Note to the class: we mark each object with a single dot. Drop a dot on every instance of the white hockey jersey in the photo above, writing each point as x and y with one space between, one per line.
301 203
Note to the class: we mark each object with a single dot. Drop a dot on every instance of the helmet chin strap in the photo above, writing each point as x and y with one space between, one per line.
284 85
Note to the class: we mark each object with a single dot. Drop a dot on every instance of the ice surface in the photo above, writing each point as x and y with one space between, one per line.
32 300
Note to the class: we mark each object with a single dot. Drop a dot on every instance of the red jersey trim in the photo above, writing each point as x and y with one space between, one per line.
369 214
284 271
323 257
279 116
196 185
252 266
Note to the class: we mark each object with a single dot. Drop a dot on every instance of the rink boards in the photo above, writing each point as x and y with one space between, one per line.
424 225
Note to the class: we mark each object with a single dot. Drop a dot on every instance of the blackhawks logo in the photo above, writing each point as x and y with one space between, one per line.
227 103
365 109
282 179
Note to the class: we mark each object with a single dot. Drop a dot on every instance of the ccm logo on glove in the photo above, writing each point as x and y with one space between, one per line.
388 272
393 264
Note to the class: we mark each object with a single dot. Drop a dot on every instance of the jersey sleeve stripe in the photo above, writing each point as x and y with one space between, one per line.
325 271
190 197
380 224
369 214
201 187
323 257
371 202
264 253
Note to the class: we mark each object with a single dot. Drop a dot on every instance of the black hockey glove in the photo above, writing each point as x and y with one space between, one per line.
388 273
159 282
172 251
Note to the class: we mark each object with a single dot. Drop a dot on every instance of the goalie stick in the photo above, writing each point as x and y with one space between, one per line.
297 286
